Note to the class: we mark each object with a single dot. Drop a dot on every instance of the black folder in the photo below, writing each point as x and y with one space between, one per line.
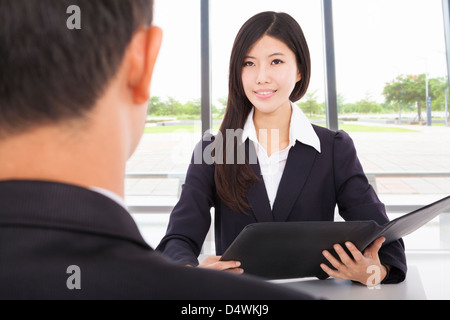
284 250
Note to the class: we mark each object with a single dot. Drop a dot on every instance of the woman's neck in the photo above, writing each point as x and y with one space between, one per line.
272 129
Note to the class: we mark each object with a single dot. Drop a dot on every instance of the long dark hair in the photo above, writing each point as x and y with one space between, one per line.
232 180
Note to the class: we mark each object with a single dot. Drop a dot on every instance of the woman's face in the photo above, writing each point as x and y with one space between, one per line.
269 74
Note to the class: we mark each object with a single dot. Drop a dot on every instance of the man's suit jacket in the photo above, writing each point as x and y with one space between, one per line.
312 185
60 241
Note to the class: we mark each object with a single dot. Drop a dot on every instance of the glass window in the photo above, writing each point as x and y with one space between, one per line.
156 170
389 56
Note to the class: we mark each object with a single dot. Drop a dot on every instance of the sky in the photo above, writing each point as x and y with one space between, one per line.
376 40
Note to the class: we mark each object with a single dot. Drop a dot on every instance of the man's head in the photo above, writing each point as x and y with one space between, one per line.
50 73
73 101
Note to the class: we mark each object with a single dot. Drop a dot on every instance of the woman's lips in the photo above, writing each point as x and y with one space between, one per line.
265 93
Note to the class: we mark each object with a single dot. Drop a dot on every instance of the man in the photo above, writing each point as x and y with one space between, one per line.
74 89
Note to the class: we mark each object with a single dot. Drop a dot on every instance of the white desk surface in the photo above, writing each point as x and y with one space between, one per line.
337 289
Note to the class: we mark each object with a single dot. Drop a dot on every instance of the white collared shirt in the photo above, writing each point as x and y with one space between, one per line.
272 167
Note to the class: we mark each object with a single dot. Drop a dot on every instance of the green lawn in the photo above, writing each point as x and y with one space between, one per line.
345 127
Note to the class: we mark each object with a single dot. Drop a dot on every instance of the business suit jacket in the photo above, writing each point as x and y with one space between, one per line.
312 185
45 228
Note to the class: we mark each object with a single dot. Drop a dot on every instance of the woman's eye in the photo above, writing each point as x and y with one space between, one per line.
248 64
277 61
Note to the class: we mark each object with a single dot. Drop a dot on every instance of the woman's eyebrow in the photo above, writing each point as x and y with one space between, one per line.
276 54
270 56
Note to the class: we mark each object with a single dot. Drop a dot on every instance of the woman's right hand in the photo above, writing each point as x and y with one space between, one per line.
214 263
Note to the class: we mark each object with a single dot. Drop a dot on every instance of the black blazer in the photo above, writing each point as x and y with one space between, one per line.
312 185
47 227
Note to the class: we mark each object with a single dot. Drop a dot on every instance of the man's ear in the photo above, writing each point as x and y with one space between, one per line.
141 84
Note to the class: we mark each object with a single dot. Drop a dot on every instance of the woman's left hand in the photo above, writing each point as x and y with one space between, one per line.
357 268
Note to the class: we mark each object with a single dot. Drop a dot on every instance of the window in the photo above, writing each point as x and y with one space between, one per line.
386 53
156 170
392 85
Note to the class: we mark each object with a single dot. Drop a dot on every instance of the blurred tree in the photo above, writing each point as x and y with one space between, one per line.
411 89
192 108
309 104
155 106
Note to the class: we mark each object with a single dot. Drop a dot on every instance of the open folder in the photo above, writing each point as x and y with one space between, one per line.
284 250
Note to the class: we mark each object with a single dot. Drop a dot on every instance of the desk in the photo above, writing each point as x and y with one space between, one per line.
337 289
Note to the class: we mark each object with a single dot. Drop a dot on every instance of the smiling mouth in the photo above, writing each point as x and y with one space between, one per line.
265 93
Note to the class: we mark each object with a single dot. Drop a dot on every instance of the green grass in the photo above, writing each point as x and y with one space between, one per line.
345 127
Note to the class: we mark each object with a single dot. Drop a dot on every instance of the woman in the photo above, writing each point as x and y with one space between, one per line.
301 171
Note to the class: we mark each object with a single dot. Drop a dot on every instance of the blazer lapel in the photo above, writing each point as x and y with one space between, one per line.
298 166
257 193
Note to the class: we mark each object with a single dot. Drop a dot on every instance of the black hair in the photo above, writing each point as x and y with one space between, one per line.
50 72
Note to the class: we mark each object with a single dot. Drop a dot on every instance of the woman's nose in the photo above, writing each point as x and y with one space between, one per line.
263 75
